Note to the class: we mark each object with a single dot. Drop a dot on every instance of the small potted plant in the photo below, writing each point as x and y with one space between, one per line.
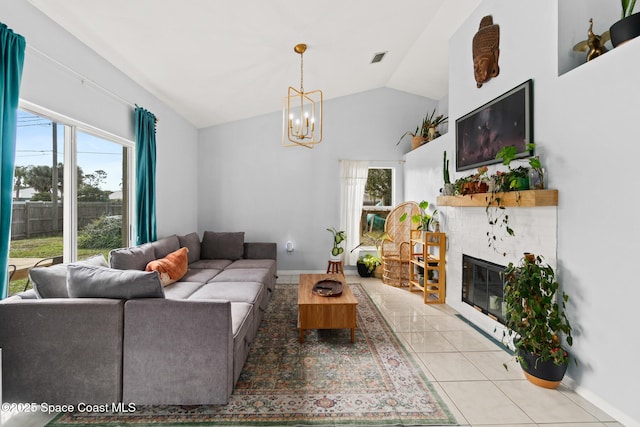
427 131
449 189
535 320
518 178
465 185
368 264
338 238
482 180
475 183
628 27
424 219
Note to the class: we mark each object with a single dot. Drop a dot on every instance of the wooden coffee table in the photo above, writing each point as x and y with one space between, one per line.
317 312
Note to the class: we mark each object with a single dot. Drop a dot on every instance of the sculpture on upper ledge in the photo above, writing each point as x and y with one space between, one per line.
594 44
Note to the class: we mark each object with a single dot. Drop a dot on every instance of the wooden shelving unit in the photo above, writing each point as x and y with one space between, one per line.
523 199
429 255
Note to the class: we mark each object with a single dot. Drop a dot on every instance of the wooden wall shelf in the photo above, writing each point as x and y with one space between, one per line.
523 199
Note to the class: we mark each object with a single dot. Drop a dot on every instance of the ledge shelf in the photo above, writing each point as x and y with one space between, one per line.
523 199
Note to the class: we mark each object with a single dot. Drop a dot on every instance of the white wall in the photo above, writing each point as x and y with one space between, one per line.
52 86
250 182
585 128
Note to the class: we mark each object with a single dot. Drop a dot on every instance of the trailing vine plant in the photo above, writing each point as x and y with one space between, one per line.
498 218
496 212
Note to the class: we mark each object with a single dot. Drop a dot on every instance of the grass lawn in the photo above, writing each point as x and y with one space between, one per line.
43 247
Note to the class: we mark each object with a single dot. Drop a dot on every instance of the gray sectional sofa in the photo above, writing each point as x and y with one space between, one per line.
124 337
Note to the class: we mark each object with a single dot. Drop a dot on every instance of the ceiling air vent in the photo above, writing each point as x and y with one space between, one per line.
378 57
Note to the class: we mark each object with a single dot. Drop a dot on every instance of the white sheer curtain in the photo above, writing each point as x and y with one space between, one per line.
353 177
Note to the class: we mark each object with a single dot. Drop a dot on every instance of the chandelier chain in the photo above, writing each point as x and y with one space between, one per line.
302 72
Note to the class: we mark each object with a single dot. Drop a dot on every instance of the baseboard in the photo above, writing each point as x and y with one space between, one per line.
614 413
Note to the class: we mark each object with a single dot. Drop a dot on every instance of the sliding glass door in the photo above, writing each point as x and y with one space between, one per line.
71 190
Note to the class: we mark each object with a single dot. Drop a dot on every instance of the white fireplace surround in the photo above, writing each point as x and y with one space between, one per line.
535 231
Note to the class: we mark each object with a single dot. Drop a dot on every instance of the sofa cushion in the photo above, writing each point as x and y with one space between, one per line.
165 246
202 275
133 258
102 282
253 263
249 292
222 245
172 267
51 282
212 264
181 290
260 250
260 275
242 325
191 241
241 319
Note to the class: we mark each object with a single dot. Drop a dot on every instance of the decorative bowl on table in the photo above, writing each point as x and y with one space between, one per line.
327 288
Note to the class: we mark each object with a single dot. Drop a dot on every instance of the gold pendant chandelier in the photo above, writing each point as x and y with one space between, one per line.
302 112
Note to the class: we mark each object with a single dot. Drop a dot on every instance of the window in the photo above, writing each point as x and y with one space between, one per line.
60 213
378 202
102 166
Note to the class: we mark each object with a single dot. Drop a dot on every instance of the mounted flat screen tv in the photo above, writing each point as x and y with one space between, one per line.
506 120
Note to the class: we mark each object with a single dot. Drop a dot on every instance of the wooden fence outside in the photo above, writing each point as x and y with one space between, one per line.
36 219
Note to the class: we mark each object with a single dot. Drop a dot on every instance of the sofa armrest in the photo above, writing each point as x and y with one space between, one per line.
260 250
177 352
61 351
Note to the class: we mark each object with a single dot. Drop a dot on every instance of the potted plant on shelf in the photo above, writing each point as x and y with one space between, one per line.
464 185
536 321
449 189
338 238
520 177
475 183
427 131
628 27
424 219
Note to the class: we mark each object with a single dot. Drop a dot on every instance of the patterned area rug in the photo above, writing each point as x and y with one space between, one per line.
325 381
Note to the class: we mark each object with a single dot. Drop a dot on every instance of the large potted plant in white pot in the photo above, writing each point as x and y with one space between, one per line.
535 320
628 27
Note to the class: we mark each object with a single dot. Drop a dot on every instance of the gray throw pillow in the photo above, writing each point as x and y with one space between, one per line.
133 258
165 246
192 242
222 245
104 282
51 282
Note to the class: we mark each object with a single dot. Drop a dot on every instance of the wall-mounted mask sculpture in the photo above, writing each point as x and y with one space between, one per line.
486 50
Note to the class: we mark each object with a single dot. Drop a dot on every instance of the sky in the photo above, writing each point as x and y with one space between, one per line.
34 147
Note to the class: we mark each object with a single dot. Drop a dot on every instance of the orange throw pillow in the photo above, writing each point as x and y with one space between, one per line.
172 267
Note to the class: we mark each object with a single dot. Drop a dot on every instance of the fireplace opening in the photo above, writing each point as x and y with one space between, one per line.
482 287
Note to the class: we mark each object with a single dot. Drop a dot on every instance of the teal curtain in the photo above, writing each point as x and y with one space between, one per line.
145 176
11 61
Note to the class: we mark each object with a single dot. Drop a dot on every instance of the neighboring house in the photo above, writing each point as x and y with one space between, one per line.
25 194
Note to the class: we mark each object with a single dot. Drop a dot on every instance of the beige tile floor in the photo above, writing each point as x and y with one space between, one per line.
464 366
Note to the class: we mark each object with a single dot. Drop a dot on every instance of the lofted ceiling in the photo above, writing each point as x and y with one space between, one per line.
217 61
